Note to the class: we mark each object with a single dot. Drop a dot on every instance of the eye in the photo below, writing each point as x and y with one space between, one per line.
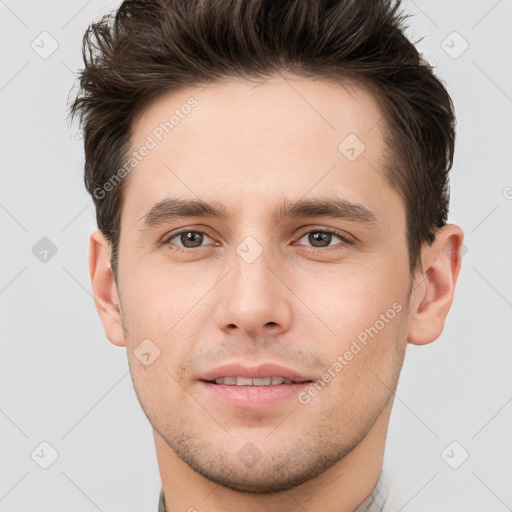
322 238
189 239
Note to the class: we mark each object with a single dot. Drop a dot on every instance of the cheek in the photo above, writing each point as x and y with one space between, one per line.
156 389
160 320
367 317
364 369
155 299
353 299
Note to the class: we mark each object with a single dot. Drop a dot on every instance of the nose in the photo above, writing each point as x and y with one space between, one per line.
255 298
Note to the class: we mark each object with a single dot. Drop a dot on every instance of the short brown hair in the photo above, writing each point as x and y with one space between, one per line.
151 47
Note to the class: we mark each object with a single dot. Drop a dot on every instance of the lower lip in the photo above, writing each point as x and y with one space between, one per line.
251 397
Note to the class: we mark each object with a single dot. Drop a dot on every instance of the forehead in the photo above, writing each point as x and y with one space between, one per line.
312 111
248 140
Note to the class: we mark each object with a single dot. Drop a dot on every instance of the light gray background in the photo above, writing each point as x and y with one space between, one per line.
62 382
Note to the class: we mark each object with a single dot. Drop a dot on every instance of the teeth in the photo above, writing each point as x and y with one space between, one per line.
247 381
262 382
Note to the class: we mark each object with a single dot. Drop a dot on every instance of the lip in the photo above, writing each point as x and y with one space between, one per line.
252 397
259 371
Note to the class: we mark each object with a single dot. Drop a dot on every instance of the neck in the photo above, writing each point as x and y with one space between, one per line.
342 488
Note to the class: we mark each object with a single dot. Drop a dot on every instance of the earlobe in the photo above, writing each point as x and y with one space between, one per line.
434 288
104 288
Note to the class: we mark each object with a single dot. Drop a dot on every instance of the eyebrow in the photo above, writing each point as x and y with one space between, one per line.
175 208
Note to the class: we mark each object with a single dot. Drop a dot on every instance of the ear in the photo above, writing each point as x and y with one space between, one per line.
434 286
104 288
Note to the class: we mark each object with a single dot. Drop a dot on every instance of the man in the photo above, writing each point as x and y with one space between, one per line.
270 181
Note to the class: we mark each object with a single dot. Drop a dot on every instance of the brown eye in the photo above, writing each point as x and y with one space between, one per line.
322 239
319 238
188 239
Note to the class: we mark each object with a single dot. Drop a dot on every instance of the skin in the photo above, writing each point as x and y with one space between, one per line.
249 146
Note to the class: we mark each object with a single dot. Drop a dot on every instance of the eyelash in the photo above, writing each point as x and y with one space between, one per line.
344 237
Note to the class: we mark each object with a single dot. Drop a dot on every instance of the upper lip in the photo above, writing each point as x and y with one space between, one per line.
260 371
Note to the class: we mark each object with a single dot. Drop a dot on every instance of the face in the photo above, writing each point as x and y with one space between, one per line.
296 269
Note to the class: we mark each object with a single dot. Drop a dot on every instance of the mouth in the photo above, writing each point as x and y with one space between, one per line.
255 381
243 387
